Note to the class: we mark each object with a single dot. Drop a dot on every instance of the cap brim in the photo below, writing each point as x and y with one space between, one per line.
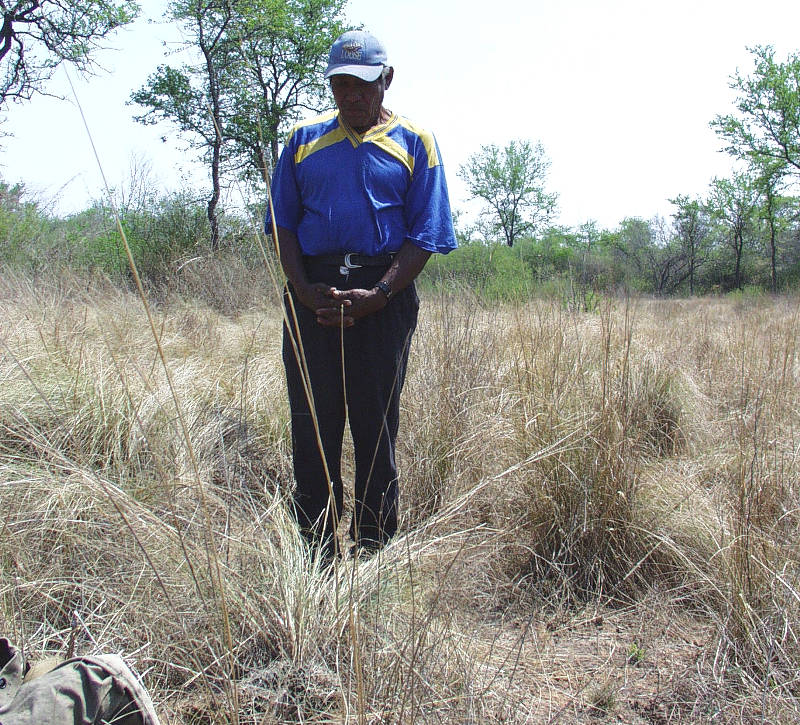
367 73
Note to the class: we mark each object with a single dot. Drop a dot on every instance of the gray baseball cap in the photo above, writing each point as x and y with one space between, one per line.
357 53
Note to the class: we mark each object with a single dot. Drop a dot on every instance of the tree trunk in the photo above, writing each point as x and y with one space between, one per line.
213 221
773 257
274 147
772 244
216 149
738 249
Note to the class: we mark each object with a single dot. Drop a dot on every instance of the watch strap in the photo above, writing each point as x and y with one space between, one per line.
385 288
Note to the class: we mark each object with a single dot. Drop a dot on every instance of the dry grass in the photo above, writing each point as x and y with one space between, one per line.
599 512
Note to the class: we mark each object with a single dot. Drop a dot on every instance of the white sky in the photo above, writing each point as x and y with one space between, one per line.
620 93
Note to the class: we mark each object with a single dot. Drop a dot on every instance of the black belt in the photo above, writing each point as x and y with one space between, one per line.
350 260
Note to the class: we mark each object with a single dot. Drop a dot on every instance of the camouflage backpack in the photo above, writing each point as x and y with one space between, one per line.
80 691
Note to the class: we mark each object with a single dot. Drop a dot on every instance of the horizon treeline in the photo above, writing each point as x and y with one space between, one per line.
696 251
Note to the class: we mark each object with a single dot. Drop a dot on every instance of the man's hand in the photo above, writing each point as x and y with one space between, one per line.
350 305
339 308
318 297
315 295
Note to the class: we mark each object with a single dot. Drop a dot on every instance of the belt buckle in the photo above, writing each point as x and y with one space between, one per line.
348 264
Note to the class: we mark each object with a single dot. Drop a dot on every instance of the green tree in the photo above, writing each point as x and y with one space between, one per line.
588 236
550 255
732 204
279 57
773 219
38 35
765 133
193 96
23 228
669 258
768 215
691 225
766 128
635 246
511 184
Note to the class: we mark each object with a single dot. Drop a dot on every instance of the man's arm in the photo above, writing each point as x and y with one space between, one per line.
316 296
405 267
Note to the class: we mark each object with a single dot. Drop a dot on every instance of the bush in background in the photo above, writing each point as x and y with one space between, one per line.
25 227
168 237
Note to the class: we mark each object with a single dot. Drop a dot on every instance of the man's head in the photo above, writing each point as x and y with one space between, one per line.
359 76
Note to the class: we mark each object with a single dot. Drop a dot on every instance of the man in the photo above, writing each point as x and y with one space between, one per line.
360 203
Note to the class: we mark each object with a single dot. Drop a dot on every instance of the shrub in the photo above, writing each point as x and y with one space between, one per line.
492 272
24 228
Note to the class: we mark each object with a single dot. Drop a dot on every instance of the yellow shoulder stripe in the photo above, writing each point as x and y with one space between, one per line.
427 140
328 139
311 121
395 150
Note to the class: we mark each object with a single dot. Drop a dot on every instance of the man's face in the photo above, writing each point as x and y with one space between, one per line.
359 102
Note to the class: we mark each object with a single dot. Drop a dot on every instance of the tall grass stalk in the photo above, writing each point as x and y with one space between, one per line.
214 569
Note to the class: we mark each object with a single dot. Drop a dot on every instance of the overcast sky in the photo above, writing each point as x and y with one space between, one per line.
620 93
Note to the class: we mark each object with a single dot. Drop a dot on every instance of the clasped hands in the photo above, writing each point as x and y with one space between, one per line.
340 308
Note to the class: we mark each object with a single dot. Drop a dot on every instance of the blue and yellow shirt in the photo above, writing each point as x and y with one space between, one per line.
341 191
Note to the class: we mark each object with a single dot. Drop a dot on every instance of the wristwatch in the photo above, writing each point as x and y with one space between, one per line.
385 288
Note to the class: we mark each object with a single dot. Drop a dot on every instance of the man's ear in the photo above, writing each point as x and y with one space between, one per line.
387 80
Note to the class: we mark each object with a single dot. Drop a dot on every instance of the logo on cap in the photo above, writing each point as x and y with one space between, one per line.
352 51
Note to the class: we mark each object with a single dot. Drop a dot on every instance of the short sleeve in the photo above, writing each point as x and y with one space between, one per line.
428 215
286 199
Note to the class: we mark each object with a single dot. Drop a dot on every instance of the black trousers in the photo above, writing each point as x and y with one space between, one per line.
355 375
